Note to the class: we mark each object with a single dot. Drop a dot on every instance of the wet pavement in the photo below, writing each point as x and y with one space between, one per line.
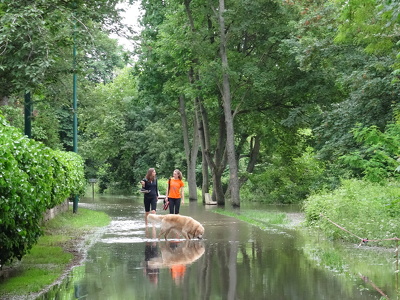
234 261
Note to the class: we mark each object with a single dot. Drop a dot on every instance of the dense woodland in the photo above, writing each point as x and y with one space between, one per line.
260 100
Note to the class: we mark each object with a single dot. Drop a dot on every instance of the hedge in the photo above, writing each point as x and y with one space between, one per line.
33 178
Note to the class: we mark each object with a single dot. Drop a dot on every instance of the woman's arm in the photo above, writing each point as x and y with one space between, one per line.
166 193
182 196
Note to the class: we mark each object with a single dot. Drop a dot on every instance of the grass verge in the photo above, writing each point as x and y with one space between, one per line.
61 247
258 218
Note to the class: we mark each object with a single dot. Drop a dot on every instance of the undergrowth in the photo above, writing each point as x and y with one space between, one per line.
360 209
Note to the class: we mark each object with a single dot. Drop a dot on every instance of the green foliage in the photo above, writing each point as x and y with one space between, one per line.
271 97
126 135
13 113
33 178
365 209
361 83
34 37
377 156
283 182
371 23
46 127
36 42
369 102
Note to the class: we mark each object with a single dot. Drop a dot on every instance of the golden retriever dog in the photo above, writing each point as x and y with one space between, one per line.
187 226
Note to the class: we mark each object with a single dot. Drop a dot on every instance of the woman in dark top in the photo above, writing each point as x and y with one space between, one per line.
149 184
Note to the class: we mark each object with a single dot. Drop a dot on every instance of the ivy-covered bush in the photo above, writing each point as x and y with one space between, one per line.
33 178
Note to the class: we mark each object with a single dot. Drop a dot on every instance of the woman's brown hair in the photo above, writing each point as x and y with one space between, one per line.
179 173
149 175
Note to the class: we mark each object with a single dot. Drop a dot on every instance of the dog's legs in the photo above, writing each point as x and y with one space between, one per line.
167 232
164 232
177 233
185 234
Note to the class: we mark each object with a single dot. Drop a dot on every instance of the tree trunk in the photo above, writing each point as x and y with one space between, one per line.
255 144
205 187
3 100
192 182
191 153
226 96
218 191
216 161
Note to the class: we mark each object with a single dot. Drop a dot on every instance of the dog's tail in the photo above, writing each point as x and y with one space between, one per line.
155 218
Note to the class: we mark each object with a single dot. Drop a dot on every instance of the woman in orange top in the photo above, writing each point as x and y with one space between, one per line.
175 194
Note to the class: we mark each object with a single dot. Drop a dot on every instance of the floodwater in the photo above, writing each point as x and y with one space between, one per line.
233 261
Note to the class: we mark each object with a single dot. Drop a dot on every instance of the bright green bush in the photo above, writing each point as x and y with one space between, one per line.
33 178
377 157
365 210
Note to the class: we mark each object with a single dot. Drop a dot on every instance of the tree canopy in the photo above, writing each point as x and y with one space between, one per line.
258 95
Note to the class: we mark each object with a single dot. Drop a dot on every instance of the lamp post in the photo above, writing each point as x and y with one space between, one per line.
28 115
75 108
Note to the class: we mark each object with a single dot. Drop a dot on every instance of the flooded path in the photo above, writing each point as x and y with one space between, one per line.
233 261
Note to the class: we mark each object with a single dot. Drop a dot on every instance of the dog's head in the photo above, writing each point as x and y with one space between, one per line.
198 232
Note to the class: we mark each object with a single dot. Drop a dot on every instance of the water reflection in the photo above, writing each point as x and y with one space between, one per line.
151 252
233 261
174 255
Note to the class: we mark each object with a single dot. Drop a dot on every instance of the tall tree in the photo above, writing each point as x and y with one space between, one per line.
227 101
188 41
190 151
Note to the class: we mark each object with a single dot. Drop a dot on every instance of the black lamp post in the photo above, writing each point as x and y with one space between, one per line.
28 115
75 110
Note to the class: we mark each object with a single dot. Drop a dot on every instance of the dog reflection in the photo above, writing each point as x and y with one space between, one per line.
176 255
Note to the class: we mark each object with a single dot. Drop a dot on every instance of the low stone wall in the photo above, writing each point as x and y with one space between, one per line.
51 213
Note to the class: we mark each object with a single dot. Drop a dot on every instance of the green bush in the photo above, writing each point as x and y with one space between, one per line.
33 178
377 157
365 210
283 182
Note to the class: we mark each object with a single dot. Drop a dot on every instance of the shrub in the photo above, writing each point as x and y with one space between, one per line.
283 182
366 210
